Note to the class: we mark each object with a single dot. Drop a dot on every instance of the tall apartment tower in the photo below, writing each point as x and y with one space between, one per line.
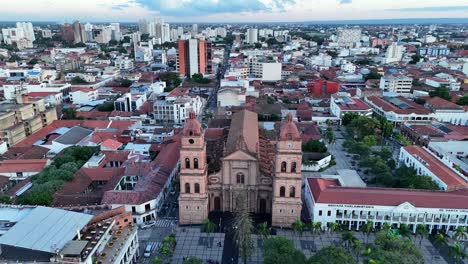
78 32
194 57
252 35
193 200
287 203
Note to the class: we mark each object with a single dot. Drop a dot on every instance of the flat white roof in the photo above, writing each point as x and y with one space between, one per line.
45 229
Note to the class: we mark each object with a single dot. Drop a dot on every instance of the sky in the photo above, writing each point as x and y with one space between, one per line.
228 10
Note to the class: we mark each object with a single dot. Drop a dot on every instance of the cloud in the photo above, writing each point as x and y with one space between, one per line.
430 9
345 1
192 8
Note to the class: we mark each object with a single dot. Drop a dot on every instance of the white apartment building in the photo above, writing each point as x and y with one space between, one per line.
11 91
28 30
265 70
348 67
18 36
143 51
176 110
328 201
231 96
348 37
443 79
124 63
396 83
83 95
252 35
129 102
394 53
320 60
428 164
446 111
341 104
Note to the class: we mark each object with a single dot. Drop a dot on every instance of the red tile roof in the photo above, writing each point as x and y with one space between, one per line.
389 107
328 191
31 165
439 103
111 144
444 173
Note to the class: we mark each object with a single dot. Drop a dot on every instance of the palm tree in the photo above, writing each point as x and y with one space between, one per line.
422 232
386 226
208 226
461 233
298 226
348 238
372 261
317 228
263 230
244 224
457 252
367 229
357 247
404 230
333 227
439 239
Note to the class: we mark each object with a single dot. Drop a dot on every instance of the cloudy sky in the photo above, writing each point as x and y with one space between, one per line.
228 10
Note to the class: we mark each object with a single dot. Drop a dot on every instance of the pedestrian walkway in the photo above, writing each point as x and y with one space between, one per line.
193 243
165 222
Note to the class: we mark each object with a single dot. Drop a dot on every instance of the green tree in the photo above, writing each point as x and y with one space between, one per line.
172 80
244 224
392 248
78 80
5 199
208 226
373 75
263 230
298 226
421 232
357 248
329 135
314 146
367 229
463 100
348 118
442 92
404 230
457 252
69 113
193 260
369 140
331 255
280 250
439 240
157 260
348 239
415 59
125 83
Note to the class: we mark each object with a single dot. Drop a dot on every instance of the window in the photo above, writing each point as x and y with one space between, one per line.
133 209
320 212
293 167
126 220
282 191
292 191
187 163
240 178
187 187
195 163
283 166
329 213
197 188
289 136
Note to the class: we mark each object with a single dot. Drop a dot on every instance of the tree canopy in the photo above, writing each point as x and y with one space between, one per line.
280 250
442 92
331 255
314 146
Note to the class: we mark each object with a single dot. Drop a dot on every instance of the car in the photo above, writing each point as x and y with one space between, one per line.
148 224
147 253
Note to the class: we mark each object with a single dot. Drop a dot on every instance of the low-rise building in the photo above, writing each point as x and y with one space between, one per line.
399 109
341 104
328 201
396 83
83 95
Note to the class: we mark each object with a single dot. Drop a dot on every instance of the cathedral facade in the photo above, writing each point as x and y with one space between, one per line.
218 165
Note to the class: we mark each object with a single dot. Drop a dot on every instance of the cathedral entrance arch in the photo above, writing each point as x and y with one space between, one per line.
262 206
217 203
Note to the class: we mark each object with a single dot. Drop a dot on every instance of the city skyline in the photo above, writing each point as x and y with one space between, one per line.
228 11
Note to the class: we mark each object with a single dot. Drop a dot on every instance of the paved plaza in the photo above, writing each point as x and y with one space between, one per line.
310 242
191 242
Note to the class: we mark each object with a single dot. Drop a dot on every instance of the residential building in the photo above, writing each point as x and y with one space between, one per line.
17 170
433 51
176 110
396 83
194 56
252 35
130 102
265 69
348 37
83 95
79 32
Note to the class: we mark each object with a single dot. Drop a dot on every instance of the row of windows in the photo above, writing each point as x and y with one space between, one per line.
284 166
292 191
187 187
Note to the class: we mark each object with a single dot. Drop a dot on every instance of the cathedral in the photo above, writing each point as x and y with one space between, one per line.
218 164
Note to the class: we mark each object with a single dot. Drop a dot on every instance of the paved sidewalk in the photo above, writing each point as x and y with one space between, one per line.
192 243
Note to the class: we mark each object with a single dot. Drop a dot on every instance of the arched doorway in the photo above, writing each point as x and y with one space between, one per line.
262 208
217 203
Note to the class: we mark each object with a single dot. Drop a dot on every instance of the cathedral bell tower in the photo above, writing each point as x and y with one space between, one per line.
287 203
193 200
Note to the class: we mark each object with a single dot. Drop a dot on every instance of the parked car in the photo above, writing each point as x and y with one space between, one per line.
147 253
148 224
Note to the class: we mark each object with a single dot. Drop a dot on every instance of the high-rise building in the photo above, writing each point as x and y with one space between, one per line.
78 32
67 33
143 26
252 35
180 31
194 29
116 34
28 30
347 37
394 53
194 57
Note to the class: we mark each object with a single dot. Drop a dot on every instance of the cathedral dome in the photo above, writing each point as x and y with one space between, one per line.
289 130
192 127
